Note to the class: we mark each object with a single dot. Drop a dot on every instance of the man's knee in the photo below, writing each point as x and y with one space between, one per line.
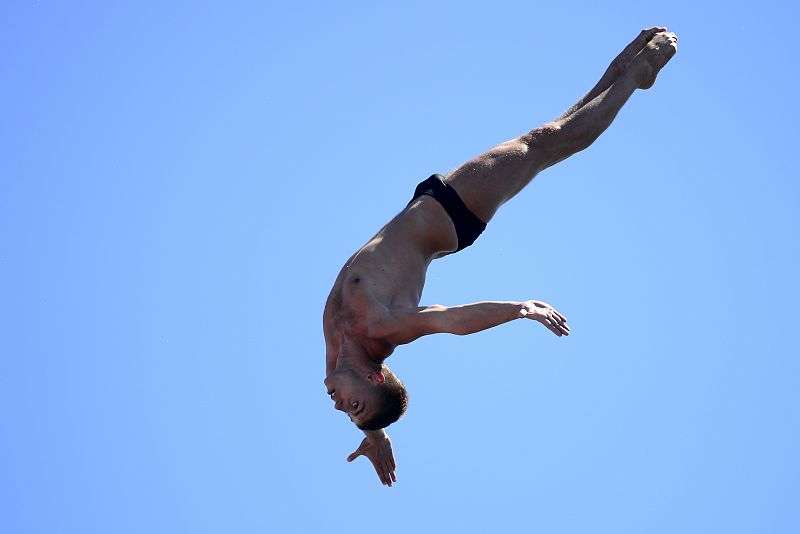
555 141
543 134
546 143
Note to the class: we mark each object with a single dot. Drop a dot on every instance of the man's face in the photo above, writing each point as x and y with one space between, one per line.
353 393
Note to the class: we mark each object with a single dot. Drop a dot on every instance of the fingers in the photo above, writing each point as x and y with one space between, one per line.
560 322
384 470
563 328
552 326
556 324
385 473
391 466
558 315
388 470
388 467
384 465
388 475
381 473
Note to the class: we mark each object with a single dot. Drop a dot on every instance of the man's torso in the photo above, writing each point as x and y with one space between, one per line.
387 273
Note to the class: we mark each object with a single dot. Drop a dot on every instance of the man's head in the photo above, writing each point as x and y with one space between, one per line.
372 399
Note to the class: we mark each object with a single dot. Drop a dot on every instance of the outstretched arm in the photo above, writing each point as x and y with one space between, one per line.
378 448
404 326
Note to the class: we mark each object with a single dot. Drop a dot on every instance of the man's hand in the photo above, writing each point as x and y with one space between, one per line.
545 314
378 448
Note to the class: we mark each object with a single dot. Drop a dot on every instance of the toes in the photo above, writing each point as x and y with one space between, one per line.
650 32
645 36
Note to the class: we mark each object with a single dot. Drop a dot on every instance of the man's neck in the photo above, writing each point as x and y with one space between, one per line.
354 354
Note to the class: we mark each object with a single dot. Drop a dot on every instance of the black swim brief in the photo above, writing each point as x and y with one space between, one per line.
468 226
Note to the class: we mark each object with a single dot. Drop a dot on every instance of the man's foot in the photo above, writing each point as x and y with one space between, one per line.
627 55
652 58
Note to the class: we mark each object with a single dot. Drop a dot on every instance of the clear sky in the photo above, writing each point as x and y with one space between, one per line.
182 181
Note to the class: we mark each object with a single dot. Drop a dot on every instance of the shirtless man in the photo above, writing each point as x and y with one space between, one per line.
374 304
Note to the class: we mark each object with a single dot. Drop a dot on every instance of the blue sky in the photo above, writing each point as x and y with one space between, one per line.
182 181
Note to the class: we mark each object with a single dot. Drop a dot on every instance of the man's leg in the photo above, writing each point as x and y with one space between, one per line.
616 68
486 182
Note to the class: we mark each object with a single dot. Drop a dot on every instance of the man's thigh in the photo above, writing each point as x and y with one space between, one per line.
489 180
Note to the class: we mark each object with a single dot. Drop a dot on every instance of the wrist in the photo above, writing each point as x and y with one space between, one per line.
375 436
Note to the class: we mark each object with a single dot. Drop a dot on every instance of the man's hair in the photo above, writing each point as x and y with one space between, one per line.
392 402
